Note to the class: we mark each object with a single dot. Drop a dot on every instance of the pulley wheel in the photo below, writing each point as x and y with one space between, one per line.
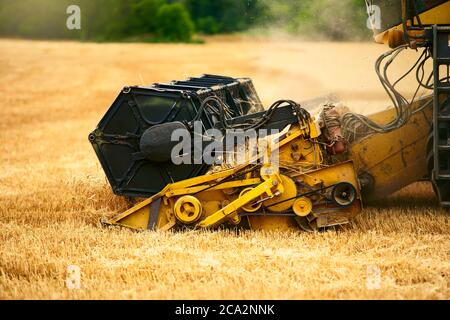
249 207
188 209
302 207
285 200
343 194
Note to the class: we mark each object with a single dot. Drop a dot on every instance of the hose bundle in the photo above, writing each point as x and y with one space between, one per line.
356 125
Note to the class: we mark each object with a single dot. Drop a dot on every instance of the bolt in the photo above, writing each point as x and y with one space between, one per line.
92 137
296 156
126 90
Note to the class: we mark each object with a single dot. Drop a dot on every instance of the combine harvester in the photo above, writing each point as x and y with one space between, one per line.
295 168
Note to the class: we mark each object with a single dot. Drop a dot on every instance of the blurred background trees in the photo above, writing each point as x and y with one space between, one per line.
179 20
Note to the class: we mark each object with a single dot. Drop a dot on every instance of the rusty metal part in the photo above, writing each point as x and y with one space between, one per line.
330 118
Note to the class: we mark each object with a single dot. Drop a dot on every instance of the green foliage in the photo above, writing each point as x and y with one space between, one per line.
335 19
176 20
207 25
330 19
174 23
223 16
101 20
33 18
142 19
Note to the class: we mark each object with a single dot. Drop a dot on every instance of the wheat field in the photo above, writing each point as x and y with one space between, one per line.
53 191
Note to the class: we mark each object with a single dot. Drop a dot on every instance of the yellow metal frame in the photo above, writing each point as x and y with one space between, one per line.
438 15
397 158
268 184
265 186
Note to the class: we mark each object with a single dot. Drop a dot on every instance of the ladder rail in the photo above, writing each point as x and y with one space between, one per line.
441 117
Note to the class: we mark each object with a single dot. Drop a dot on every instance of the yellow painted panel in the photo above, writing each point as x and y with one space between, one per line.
397 158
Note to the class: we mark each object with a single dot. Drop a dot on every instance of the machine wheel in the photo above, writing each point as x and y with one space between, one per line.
282 203
188 209
302 206
249 207
343 194
305 225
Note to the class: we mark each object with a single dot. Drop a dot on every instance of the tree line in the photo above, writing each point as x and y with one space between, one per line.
180 20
